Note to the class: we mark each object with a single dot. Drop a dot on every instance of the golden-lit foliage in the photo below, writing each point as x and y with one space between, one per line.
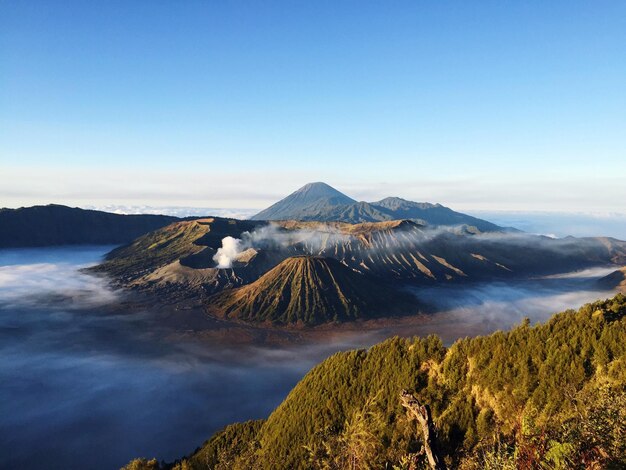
546 396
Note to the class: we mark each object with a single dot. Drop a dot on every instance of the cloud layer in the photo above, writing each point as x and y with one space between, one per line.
98 385
21 186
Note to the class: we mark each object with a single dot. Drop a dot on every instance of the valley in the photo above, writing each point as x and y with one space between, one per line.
312 235
205 313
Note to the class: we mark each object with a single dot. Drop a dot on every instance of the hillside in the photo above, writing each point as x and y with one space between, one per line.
61 225
433 214
321 202
546 396
310 290
192 242
615 280
177 262
312 196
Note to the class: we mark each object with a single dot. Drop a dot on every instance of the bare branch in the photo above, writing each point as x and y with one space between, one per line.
421 413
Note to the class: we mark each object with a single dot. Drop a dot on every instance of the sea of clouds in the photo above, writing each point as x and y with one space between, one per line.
93 386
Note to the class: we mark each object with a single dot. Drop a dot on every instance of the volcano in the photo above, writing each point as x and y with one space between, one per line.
311 290
321 202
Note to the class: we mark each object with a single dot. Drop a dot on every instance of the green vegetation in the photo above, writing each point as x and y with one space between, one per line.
142 464
236 442
548 396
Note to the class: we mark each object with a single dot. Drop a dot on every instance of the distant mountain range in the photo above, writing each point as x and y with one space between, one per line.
321 202
307 272
61 225
53 224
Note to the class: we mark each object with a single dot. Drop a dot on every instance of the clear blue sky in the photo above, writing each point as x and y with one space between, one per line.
486 105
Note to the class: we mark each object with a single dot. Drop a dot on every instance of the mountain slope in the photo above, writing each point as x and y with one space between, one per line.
615 280
320 202
316 197
545 396
310 290
434 214
61 225
190 242
177 261
357 212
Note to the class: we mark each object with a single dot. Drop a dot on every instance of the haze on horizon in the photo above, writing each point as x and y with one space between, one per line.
490 106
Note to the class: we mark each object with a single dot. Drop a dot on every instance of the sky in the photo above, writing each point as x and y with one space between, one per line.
491 105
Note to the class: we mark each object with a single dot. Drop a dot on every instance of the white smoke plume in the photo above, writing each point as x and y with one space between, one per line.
225 255
323 240
272 237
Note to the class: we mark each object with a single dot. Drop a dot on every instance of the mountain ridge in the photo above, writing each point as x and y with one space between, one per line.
556 377
310 290
321 202
309 194
614 280
177 262
55 224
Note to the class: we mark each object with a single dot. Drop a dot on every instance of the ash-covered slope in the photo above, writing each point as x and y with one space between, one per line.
177 261
310 290
321 202
410 251
54 224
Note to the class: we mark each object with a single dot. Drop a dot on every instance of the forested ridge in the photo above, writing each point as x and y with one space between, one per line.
551 395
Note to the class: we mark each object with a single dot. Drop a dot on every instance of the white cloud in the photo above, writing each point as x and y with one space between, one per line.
21 186
39 275
236 213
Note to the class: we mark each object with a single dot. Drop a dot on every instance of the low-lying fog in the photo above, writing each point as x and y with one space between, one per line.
85 383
